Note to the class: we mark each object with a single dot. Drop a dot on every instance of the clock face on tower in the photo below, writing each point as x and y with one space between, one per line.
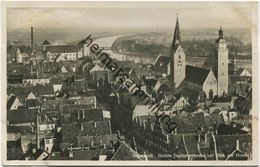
179 63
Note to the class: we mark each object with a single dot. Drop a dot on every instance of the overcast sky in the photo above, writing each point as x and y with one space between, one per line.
157 15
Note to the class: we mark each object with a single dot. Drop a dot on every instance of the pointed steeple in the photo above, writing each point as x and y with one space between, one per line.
177 35
220 33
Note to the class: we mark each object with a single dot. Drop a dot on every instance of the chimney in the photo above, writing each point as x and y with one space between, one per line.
118 135
113 149
167 139
31 68
175 131
101 142
82 147
144 125
81 127
70 154
206 138
83 113
145 156
32 38
134 144
37 71
109 124
237 146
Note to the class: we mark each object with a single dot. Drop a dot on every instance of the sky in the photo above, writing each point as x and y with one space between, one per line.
134 15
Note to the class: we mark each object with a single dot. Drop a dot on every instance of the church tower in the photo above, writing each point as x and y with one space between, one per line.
177 58
221 68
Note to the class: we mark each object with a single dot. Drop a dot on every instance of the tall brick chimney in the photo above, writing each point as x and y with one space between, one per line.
32 38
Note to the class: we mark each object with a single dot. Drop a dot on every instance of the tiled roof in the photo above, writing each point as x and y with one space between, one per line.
161 63
45 42
196 75
241 88
50 104
226 144
14 150
22 116
32 103
63 48
213 119
97 140
188 123
125 152
19 69
77 155
50 67
175 141
19 129
70 113
72 130
11 101
22 92
223 105
191 142
15 79
97 67
150 82
240 71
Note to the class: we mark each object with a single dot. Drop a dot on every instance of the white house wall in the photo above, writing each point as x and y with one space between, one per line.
210 84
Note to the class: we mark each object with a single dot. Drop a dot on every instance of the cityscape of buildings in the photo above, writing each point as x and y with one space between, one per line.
64 103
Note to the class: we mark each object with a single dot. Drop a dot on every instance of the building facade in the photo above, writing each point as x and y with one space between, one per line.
222 64
177 58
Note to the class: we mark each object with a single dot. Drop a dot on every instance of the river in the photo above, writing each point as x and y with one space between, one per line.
107 42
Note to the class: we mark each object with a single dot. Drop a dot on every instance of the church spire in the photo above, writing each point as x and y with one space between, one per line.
177 35
220 33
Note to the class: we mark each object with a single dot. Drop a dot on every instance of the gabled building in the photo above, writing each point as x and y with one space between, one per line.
60 53
199 79
125 152
212 82
161 64
100 75
13 103
44 44
243 72
177 59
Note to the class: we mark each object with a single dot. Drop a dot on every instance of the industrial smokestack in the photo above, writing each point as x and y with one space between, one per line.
32 38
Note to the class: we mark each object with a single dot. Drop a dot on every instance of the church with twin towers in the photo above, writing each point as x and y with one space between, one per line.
212 80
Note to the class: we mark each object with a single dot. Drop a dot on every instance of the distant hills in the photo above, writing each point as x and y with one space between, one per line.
69 35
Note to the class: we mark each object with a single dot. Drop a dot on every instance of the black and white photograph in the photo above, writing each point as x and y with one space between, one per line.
129 82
